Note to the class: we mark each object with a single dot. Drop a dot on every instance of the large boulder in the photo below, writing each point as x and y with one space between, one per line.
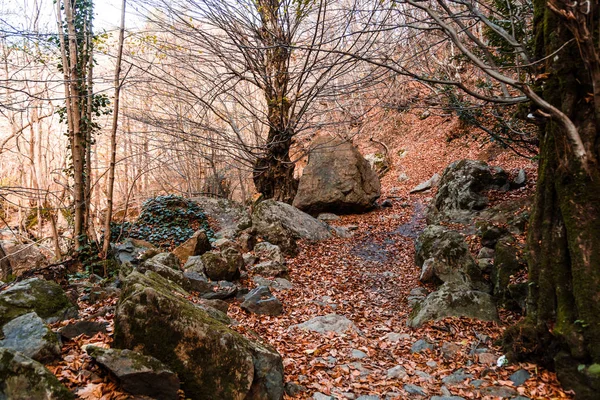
137 373
46 298
447 254
218 267
278 223
454 301
462 190
337 178
22 378
212 360
22 258
231 217
197 245
29 335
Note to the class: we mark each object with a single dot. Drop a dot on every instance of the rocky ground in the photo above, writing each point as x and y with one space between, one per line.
340 318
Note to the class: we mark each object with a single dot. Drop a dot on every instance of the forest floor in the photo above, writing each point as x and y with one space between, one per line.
368 278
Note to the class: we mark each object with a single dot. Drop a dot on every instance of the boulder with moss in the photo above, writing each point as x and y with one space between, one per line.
22 378
448 256
453 301
212 360
47 299
217 267
461 191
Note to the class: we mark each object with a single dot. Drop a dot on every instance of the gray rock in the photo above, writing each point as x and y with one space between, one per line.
402 177
154 317
266 251
477 383
328 217
397 372
273 218
87 328
25 379
197 245
519 377
270 268
431 364
196 282
368 397
421 345
456 377
321 396
328 323
462 190
217 267
232 217
174 275
428 184
520 180
396 337
223 290
138 374
194 264
447 398
261 301
20 259
486 252
449 301
414 389
422 374
277 283
448 256
28 335
168 259
249 259
336 179
499 391
46 298
293 389
358 354
133 251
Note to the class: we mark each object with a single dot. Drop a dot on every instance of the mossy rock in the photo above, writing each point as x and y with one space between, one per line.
46 298
22 378
211 360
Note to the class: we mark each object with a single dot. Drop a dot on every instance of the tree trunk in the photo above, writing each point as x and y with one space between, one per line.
562 327
274 172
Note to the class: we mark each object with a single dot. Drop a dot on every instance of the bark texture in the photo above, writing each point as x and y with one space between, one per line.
562 328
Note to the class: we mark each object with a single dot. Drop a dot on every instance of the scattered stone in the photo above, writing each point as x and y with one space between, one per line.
24 379
431 364
456 377
46 298
261 301
321 396
293 389
137 373
499 391
337 178
397 372
327 323
520 377
367 397
428 184
223 290
402 177
477 383
358 354
266 251
270 268
328 217
387 203
87 328
396 337
421 345
414 389
282 284
447 398
29 335
197 245
422 374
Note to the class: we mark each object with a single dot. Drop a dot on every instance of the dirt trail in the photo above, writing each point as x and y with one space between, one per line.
368 278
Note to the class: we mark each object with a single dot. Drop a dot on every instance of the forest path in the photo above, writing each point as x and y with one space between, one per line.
368 279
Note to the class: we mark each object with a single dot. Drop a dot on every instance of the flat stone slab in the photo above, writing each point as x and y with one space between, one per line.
328 323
